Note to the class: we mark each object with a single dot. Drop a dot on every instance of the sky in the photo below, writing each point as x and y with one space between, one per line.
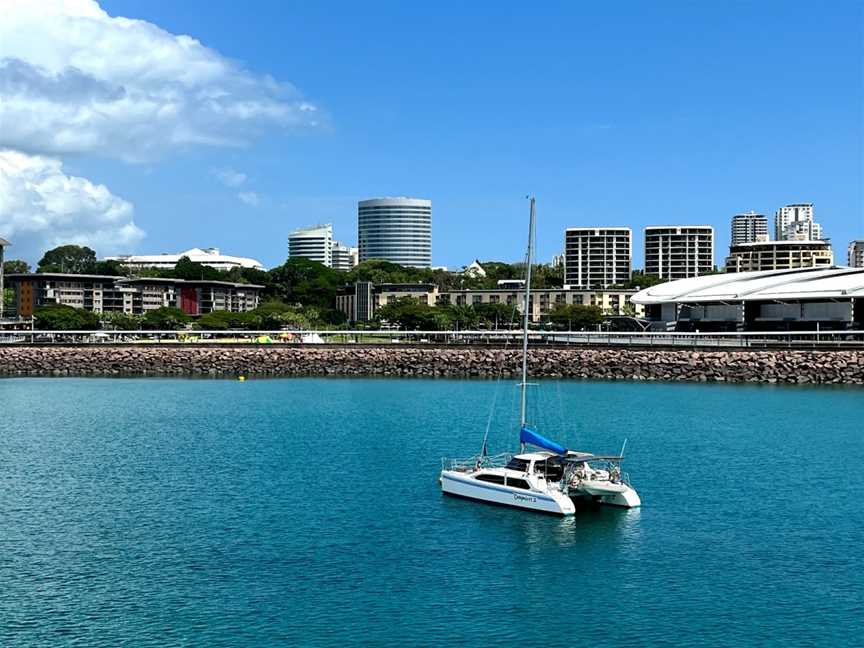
147 126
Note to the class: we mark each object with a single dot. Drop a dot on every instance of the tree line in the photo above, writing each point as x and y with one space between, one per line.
301 293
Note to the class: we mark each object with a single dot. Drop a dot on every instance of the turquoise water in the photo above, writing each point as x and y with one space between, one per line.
307 512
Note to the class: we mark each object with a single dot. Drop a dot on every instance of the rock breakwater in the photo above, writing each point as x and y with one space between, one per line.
776 366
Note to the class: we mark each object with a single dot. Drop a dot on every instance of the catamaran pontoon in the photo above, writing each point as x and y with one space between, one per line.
551 480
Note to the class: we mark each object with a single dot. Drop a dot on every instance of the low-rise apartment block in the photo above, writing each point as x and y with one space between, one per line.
779 255
105 294
360 301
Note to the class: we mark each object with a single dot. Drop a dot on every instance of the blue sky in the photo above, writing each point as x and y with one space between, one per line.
626 114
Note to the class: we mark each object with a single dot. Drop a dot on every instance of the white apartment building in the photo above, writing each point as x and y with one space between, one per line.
313 243
795 223
679 251
856 254
597 257
344 257
749 227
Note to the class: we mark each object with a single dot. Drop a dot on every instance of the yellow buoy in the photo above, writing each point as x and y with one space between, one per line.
241 378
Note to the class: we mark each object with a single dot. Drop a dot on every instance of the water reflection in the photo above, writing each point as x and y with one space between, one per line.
590 527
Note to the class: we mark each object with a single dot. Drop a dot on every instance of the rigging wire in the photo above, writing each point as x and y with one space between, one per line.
513 313
564 426
496 391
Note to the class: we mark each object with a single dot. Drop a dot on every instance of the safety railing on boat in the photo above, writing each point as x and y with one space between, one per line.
472 463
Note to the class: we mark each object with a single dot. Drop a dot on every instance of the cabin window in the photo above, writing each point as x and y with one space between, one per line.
492 479
517 483
550 468
520 465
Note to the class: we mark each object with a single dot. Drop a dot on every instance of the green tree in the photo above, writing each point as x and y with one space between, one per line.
307 282
121 321
270 314
332 317
185 268
575 316
16 266
254 276
74 259
8 298
408 313
109 268
59 317
547 276
640 280
379 271
497 315
461 315
166 318
499 271
223 320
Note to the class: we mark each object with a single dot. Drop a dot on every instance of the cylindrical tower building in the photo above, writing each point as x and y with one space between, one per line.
398 230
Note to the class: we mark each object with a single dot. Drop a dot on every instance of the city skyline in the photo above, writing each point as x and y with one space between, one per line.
473 126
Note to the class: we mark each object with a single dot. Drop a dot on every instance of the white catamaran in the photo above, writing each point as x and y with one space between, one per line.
551 480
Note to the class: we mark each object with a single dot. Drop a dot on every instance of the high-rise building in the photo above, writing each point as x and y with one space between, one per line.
314 243
779 255
795 223
679 251
398 230
597 257
749 227
856 254
344 257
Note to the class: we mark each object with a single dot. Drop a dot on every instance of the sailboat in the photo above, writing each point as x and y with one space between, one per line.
550 479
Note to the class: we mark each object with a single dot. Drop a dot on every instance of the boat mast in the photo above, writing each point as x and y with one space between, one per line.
526 315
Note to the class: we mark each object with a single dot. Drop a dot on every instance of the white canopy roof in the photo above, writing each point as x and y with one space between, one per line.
209 256
780 285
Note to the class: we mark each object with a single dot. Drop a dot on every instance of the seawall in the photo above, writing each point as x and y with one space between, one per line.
775 366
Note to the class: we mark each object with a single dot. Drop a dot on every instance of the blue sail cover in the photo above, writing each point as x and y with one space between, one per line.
527 435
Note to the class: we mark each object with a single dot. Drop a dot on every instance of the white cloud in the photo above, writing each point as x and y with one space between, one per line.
42 207
75 80
250 198
230 177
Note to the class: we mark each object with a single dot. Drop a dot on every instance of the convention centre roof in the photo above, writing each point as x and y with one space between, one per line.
771 285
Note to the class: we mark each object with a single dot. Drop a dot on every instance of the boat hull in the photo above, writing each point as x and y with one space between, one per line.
613 494
459 485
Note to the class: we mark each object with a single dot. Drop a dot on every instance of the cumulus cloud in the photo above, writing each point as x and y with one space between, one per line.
230 177
250 198
42 207
74 80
